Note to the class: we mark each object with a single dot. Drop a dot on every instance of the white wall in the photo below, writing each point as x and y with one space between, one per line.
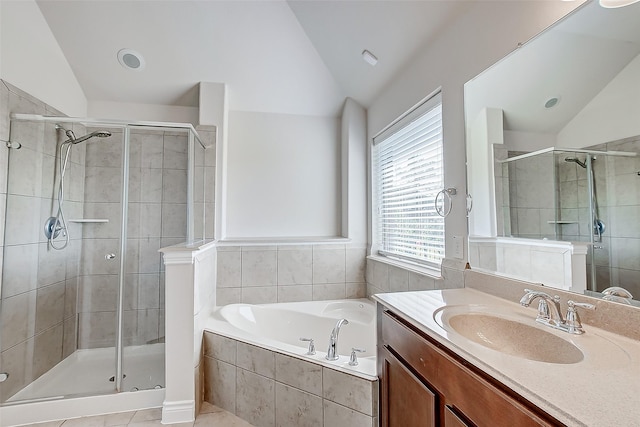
607 117
142 112
483 35
33 61
283 176
354 172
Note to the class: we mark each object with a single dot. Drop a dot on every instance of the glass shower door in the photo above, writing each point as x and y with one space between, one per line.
58 295
157 217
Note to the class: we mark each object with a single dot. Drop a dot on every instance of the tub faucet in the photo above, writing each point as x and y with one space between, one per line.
332 353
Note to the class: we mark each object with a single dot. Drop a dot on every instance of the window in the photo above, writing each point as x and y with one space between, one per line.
407 175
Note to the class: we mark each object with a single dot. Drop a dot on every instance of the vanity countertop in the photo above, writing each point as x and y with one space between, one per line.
601 390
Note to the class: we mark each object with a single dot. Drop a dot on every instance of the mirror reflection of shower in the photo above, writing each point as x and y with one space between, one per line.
56 225
598 224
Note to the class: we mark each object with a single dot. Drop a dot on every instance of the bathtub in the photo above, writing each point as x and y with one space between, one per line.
279 327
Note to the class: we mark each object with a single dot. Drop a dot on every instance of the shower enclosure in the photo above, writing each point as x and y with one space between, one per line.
89 204
577 195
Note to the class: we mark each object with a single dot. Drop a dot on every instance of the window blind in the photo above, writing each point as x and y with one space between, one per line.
408 173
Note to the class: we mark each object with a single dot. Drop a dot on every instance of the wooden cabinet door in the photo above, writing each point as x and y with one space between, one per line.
406 401
451 419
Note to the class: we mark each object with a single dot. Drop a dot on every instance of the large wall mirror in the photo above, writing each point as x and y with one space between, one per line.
553 156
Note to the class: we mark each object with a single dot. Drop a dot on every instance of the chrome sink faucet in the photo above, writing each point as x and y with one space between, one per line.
332 351
549 311
548 307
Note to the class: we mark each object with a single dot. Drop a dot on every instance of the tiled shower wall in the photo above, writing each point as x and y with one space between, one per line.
38 311
289 273
156 217
531 196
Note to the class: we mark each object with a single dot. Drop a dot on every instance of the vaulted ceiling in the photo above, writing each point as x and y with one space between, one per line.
296 57
573 61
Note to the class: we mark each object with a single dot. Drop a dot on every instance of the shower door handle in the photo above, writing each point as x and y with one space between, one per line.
109 257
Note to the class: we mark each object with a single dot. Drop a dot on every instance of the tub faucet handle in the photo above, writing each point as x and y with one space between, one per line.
312 346
353 360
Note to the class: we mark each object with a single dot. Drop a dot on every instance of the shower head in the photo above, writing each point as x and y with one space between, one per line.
72 136
98 133
575 160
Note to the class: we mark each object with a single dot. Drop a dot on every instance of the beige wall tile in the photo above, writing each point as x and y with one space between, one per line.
220 384
295 267
355 264
17 318
354 392
329 291
398 279
297 408
259 268
328 265
21 269
299 374
13 362
256 359
295 293
226 296
219 347
49 306
338 415
260 295
47 350
355 290
255 399
420 282
174 184
229 269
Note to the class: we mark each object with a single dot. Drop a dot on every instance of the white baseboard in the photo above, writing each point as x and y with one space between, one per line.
181 411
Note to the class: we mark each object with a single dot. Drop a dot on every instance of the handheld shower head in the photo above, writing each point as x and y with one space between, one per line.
575 160
98 133
72 136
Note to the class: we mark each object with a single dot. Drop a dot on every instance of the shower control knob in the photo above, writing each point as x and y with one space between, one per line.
109 257
3 376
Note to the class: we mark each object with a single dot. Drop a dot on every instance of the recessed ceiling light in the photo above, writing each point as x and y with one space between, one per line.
369 58
552 102
131 60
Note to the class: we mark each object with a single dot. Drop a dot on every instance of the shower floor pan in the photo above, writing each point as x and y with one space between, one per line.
91 371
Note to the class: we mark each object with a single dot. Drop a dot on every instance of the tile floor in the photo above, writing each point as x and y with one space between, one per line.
210 415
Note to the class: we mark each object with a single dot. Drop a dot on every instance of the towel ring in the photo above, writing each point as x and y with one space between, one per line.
446 201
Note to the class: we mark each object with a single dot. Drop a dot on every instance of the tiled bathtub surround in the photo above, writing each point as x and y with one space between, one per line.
267 388
289 273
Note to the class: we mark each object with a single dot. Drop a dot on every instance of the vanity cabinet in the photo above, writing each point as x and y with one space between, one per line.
424 384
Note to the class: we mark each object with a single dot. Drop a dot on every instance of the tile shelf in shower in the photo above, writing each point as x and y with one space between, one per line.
89 220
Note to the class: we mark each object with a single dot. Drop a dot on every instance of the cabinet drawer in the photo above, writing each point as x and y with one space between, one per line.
467 389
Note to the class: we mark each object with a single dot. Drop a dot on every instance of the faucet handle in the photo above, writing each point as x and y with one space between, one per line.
353 360
312 347
574 326
573 304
